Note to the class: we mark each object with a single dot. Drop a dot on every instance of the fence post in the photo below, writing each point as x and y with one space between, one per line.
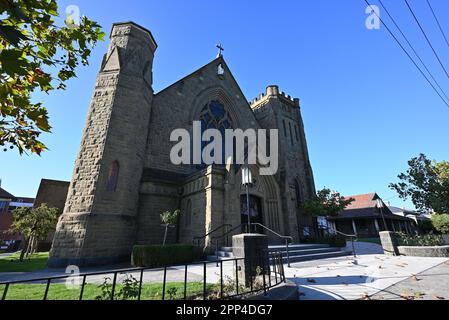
46 288
288 254
264 282
163 284
204 281
237 276
140 285
221 279
113 285
185 283
82 287
5 291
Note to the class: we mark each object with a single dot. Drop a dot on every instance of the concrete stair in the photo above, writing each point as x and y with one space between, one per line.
297 252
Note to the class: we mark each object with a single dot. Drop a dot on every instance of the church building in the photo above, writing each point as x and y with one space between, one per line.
123 178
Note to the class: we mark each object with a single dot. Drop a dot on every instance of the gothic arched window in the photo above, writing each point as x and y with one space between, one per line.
215 116
188 213
298 193
113 176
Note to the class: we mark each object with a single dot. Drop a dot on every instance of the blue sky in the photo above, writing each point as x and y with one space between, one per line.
366 108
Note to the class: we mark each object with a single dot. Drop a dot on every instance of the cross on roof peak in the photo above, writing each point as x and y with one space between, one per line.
220 50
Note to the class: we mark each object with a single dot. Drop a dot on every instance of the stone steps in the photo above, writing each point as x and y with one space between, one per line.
297 252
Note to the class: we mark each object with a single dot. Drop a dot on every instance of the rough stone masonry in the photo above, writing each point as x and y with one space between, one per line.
123 178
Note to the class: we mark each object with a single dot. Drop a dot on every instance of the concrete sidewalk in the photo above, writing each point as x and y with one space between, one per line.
432 284
341 279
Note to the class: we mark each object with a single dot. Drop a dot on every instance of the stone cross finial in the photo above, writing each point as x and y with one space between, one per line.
220 50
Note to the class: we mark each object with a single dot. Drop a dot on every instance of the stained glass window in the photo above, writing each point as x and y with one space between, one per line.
112 177
215 116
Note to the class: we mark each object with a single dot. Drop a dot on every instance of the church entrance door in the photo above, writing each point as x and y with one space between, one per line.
255 210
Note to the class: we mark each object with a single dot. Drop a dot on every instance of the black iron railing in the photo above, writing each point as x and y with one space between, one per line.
225 284
286 239
351 237
226 226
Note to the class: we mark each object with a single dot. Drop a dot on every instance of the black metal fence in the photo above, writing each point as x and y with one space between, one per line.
225 281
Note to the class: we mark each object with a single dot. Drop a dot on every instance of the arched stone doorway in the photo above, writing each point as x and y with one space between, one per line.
255 212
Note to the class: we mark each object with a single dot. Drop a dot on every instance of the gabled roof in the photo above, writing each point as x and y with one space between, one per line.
5 194
368 200
365 206
219 59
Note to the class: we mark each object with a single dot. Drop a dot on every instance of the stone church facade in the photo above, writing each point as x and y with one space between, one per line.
123 177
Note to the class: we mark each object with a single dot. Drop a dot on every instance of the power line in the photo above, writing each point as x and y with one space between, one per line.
438 22
425 36
411 46
408 55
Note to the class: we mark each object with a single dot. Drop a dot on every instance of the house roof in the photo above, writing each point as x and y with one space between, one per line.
403 210
5 194
368 200
365 206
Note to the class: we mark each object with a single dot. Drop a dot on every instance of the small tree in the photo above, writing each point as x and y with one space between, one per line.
168 219
326 203
34 224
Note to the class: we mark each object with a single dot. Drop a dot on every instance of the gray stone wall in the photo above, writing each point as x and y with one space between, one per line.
99 224
128 124
276 110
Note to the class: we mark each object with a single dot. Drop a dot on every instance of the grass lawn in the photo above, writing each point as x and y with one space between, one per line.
370 240
34 262
58 291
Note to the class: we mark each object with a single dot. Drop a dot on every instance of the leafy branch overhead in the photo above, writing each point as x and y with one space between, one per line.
426 182
326 203
36 55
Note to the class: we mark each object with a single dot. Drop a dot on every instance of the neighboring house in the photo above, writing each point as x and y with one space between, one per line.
367 215
54 194
8 203
411 214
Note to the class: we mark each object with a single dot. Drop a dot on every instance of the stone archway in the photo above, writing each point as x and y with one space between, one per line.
267 190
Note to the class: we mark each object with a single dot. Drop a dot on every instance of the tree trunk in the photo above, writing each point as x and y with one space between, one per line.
24 249
165 234
29 244
33 246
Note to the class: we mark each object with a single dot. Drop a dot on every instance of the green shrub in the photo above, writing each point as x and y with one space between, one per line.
441 223
426 226
335 241
428 240
158 256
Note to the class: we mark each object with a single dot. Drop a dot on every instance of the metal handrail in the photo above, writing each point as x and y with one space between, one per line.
222 236
286 238
353 237
210 232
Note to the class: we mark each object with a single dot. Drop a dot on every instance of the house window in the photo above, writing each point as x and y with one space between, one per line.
296 132
113 177
285 128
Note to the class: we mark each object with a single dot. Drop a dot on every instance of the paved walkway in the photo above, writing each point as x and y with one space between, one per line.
371 275
432 284
341 279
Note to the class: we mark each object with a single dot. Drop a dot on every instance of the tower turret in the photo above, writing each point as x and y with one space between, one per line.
104 190
275 109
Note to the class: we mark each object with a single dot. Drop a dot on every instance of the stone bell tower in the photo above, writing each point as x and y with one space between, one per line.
99 220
